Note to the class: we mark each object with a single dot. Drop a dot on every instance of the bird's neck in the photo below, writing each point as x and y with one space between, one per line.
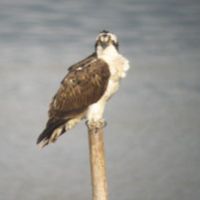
109 52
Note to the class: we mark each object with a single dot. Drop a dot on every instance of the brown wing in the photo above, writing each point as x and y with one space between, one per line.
84 63
85 83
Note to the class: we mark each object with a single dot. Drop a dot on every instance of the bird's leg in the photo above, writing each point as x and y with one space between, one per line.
95 125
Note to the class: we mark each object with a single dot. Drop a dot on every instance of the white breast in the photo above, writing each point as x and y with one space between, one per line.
118 65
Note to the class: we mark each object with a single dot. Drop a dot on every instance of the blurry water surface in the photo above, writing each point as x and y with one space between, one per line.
153 133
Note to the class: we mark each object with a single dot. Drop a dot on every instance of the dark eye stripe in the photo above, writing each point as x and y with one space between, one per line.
115 44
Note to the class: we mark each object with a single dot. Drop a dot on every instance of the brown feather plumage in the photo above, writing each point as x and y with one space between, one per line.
84 85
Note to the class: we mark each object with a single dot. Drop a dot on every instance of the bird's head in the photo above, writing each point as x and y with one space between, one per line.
106 39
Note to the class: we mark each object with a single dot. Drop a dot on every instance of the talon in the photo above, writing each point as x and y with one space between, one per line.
95 125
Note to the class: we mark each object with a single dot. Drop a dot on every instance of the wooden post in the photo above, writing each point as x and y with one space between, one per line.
97 161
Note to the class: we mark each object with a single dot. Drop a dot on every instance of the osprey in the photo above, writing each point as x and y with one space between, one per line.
86 88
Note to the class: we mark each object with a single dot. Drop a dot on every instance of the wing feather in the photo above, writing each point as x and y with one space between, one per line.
81 87
84 85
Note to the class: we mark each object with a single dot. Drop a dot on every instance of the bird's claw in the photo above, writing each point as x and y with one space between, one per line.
96 125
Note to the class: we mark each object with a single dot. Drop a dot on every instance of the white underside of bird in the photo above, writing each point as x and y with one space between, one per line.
118 65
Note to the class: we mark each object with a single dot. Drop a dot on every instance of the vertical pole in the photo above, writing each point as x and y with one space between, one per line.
97 162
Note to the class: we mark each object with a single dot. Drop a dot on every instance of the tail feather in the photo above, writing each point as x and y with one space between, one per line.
51 133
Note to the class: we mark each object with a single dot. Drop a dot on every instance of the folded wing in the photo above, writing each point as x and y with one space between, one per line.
84 85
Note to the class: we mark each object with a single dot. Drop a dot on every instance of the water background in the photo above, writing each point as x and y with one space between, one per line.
153 134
